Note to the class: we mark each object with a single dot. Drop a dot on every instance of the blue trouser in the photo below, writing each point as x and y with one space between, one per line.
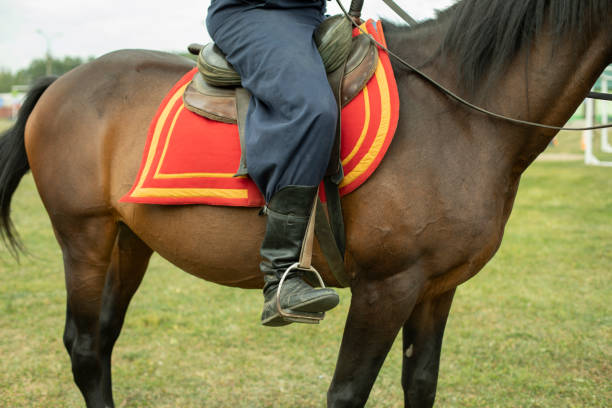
291 121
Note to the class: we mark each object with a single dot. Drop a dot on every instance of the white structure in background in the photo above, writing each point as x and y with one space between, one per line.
589 157
605 145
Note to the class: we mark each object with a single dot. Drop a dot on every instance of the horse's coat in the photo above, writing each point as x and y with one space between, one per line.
406 251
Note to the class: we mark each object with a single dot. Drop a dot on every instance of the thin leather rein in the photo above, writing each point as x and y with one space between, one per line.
355 12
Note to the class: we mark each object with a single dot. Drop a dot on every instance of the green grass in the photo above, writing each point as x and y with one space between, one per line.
533 329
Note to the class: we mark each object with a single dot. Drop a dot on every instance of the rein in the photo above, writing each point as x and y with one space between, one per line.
600 96
356 11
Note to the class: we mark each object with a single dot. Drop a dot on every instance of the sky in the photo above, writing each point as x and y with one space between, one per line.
77 28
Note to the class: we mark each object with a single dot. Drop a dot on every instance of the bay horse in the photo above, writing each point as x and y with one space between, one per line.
431 216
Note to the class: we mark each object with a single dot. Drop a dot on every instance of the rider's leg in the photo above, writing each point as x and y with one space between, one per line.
289 132
288 212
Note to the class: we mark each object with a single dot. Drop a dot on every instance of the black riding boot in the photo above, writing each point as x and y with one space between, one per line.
288 213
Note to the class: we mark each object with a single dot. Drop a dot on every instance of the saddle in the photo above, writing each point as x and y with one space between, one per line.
213 91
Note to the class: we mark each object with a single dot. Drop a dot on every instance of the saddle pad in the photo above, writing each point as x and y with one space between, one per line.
189 159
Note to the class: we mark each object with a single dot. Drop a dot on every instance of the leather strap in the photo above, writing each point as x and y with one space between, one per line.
305 261
334 209
243 97
400 12
600 95
357 5
329 247
335 82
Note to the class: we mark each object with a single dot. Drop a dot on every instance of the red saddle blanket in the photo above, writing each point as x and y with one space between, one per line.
189 159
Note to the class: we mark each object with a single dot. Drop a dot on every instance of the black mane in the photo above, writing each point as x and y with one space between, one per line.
484 35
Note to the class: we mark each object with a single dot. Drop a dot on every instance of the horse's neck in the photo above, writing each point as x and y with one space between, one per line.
542 85
547 86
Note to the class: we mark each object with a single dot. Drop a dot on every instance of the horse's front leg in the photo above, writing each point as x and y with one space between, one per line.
378 310
422 337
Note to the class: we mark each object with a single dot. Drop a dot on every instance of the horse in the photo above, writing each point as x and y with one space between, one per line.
447 183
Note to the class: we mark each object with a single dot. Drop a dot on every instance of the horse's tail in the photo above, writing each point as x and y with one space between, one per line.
14 163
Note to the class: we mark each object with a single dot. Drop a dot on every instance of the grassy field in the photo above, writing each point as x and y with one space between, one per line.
533 329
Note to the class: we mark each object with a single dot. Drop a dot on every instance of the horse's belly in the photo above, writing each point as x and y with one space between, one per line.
218 244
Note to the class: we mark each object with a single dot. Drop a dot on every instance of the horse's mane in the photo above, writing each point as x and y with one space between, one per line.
484 35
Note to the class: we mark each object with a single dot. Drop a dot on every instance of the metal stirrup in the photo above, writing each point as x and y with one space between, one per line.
304 264
299 318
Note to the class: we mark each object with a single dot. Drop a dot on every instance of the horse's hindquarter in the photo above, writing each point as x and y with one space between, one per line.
86 134
85 155
82 137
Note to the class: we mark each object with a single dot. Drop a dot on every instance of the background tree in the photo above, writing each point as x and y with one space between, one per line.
37 69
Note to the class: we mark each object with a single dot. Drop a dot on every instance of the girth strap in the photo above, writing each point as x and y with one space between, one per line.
335 82
319 225
329 247
243 98
334 209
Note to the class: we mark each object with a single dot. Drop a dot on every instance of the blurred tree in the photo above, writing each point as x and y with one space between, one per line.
6 81
37 69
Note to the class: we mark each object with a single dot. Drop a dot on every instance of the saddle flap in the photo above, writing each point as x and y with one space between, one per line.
213 102
360 66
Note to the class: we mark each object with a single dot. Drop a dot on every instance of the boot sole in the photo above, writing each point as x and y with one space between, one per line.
311 308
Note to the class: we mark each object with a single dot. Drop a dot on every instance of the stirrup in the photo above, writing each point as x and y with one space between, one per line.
292 317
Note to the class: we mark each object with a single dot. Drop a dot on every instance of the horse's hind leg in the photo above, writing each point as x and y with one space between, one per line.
104 265
129 262
87 244
422 340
